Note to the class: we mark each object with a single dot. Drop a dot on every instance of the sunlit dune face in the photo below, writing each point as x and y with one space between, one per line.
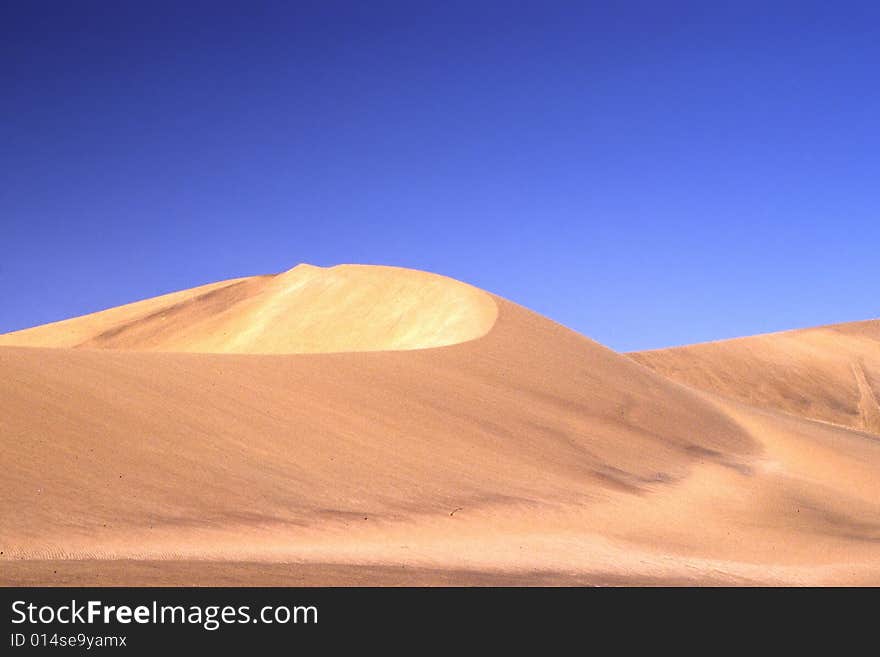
305 310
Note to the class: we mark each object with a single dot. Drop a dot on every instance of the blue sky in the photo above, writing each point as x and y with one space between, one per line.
647 173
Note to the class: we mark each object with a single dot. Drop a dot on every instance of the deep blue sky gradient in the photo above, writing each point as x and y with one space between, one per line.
647 173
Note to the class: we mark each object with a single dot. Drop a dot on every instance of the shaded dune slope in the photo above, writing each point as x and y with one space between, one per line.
830 373
522 450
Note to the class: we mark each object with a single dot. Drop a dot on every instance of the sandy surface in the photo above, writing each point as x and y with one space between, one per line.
830 373
457 438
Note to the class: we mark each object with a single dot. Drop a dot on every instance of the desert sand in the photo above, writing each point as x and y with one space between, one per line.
373 425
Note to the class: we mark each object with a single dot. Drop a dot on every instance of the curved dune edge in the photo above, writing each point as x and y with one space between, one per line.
307 309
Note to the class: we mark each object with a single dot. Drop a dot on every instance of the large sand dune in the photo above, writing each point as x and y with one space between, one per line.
377 425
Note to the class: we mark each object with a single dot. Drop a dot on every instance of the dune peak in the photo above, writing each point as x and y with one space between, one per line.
306 309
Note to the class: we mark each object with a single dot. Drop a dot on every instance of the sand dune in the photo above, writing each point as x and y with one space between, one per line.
830 373
450 437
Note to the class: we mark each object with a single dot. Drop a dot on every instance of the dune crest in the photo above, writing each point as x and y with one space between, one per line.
307 309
